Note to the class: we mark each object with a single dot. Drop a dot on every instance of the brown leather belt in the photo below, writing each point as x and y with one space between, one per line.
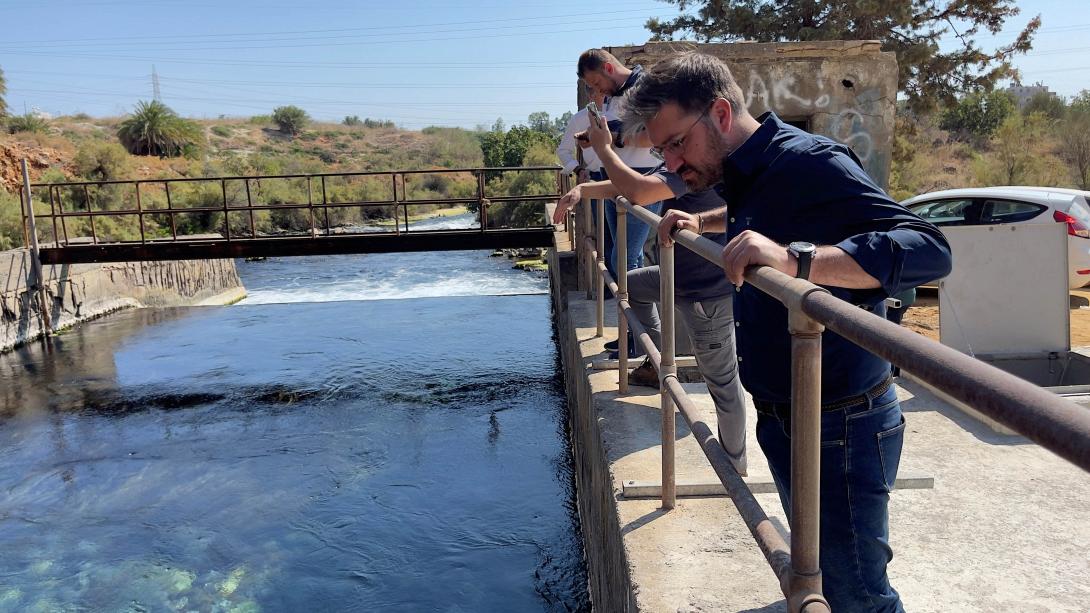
784 408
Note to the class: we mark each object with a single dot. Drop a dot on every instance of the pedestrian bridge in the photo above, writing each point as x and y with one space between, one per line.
288 215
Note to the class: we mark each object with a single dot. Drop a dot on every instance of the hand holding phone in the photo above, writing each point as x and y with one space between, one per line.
596 115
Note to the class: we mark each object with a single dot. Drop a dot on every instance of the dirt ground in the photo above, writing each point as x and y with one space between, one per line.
923 317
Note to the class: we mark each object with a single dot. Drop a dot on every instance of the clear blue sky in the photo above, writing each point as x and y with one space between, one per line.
417 62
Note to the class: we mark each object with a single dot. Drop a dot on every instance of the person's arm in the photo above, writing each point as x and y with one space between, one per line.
713 221
597 190
640 189
566 149
831 265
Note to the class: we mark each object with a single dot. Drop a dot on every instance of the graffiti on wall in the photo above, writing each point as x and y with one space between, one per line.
786 94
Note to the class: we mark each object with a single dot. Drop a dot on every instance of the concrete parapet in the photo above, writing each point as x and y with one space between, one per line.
78 292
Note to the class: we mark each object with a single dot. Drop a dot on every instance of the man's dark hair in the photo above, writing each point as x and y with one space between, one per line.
691 80
593 59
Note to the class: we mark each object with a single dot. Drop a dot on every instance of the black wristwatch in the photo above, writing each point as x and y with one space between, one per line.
804 253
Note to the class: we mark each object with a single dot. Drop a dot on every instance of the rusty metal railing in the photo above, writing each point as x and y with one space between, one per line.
84 196
1045 418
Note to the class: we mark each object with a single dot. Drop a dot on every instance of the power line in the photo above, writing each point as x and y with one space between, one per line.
583 17
391 41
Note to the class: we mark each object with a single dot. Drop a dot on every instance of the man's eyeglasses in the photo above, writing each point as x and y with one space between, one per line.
675 146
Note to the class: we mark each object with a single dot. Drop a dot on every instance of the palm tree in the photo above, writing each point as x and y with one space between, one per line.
155 129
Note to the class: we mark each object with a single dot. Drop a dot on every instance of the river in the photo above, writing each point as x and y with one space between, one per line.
376 433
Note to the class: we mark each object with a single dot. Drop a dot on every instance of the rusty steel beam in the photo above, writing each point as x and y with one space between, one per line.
298 246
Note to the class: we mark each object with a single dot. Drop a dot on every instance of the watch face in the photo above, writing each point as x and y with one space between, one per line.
802 247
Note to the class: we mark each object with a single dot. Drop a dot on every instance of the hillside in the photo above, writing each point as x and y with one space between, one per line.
81 148
231 142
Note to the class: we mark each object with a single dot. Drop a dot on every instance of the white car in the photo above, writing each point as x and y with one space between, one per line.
975 206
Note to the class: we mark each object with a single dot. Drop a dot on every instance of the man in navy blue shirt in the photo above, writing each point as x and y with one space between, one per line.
783 185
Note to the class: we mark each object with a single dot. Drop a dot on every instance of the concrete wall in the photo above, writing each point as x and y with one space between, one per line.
78 292
845 90
607 567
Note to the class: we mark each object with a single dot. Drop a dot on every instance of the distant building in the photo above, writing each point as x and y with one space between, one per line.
1023 93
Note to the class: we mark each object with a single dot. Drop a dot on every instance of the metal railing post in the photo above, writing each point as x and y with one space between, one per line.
140 212
600 264
805 584
226 213
589 257
621 249
35 254
667 370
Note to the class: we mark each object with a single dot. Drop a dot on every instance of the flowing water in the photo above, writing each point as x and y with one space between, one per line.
379 433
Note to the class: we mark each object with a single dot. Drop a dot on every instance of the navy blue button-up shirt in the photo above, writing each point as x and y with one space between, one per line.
789 185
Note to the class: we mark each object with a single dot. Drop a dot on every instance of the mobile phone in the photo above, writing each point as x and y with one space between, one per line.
592 109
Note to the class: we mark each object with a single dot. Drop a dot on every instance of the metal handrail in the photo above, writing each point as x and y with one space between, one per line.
313 206
1057 424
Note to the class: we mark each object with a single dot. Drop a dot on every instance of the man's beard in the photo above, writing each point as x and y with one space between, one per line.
709 171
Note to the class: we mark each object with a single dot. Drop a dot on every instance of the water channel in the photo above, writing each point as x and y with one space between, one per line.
380 433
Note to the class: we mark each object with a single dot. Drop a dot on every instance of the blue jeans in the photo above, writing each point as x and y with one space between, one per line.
607 249
860 451
636 237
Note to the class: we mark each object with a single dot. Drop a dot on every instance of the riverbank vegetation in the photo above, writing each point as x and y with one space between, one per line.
981 139
155 143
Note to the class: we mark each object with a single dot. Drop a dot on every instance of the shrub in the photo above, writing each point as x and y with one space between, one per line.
352 120
11 221
99 161
28 122
978 115
261 120
290 119
155 129
223 131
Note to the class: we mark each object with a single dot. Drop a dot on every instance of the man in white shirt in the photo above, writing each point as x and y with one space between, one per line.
591 167
602 71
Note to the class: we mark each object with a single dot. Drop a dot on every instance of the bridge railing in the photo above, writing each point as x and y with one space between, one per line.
1055 423
150 210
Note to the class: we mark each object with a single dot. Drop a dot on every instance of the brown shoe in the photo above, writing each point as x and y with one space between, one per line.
645 375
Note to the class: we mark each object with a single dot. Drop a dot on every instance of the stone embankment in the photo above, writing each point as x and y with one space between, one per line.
78 292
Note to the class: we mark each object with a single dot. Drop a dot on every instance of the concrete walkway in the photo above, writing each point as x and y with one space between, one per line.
1005 528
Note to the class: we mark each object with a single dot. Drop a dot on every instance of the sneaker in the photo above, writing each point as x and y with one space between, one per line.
645 375
634 353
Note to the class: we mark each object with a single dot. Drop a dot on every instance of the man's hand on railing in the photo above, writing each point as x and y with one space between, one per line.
752 249
567 201
673 221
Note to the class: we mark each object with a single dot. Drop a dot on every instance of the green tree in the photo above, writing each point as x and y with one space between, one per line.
508 149
3 91
155 129
929 73
1075 138
352 120
540 122
1080 103
977 115
1021 154
560 123
1047 104
290 119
